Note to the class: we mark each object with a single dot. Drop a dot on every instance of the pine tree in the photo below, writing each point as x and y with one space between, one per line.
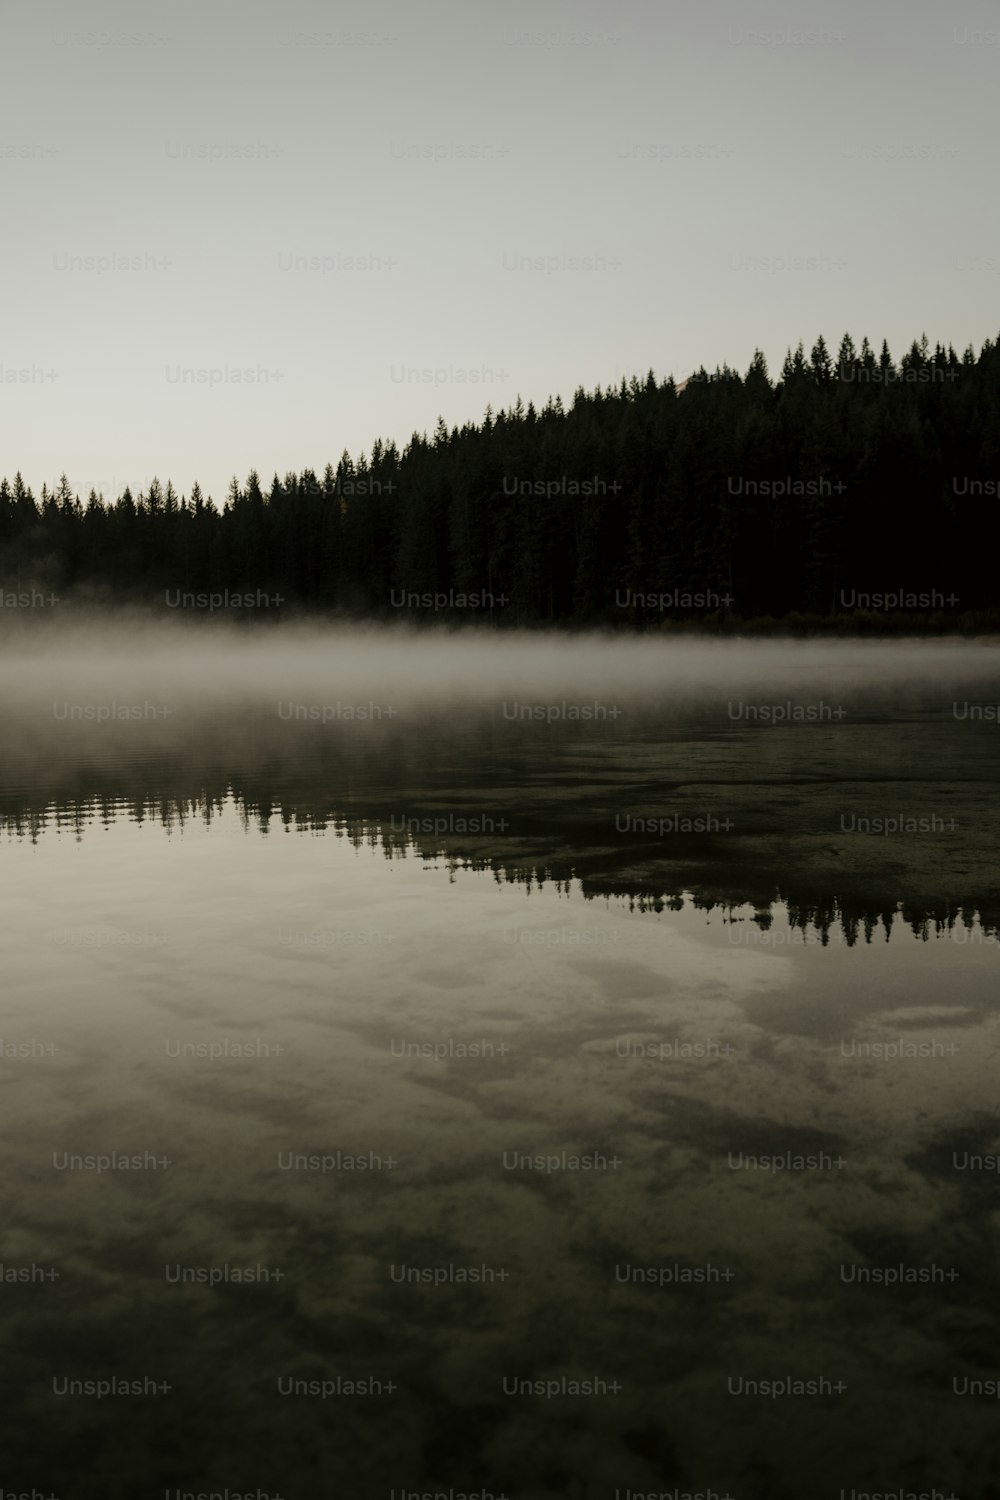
819 360
847 359
757 380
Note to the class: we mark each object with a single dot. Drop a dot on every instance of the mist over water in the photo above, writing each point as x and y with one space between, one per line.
416 1035
611 760
230 664
71 690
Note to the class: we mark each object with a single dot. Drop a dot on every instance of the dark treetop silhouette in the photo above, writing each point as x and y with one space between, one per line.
736 499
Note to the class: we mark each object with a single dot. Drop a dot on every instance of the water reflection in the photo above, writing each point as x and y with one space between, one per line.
361 1143
748 816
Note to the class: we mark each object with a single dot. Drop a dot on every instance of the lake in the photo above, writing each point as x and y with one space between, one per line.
498 1065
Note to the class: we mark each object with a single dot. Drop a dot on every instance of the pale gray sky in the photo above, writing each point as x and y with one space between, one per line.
550 194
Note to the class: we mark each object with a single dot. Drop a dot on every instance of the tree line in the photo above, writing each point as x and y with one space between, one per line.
854 487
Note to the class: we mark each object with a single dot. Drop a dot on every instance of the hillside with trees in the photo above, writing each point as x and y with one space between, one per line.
732 499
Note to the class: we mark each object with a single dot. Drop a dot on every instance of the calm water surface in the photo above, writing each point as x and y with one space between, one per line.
426 1102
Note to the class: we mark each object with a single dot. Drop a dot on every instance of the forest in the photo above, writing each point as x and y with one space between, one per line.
856 491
